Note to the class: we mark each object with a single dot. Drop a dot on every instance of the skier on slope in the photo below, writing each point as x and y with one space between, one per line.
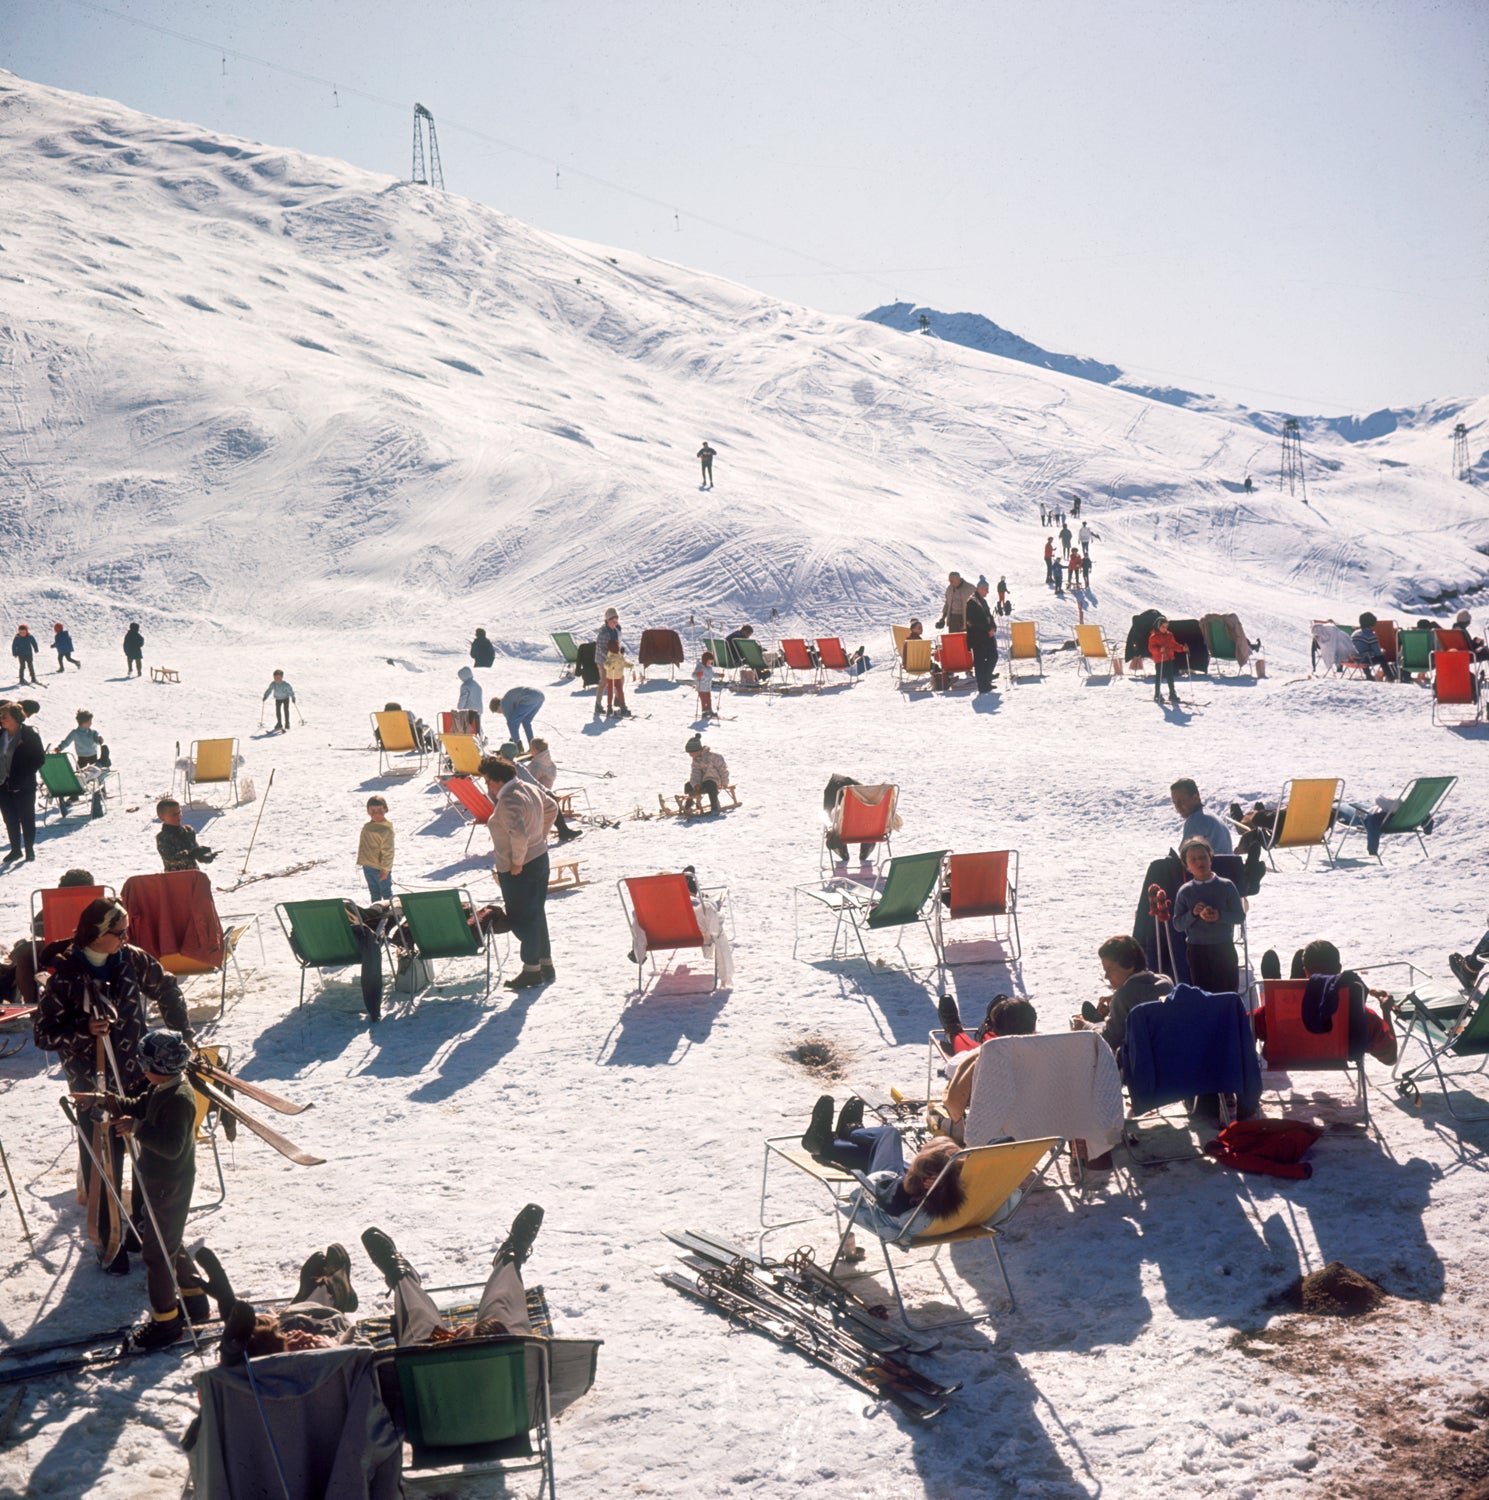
1065 535
705 458
482 652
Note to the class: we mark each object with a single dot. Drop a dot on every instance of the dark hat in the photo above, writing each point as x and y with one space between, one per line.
164 1052
696 743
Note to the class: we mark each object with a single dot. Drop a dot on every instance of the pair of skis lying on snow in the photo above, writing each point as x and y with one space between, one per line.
804 1307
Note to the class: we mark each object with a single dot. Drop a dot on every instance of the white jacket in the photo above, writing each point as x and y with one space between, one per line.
519 825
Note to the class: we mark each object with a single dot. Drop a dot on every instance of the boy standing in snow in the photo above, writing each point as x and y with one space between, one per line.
375 850
283 695
176 841
703 679
706 457
23 648
62 645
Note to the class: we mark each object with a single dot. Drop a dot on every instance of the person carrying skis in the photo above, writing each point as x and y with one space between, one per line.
23 648
176 842
1163 647
134 651
982 637
705 458
99 989
283 695
160 1117
1065 535
954 604
482 652
62 645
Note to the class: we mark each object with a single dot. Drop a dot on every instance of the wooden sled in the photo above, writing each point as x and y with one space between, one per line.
164 674
691 804
566 875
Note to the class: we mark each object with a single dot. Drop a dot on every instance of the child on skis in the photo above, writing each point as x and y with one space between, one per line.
703 679
614 672
1163 647
375 850
176 842
283 695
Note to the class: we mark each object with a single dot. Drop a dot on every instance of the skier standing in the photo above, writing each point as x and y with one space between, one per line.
705 457
1003 605
283 695
23 648
1049 559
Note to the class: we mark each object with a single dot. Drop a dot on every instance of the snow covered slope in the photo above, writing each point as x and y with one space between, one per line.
279 388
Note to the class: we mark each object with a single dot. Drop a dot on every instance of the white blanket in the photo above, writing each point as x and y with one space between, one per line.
1062 1084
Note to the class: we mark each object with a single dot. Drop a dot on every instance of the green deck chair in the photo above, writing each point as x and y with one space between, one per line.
1414 650
320 935
568 648
750 655
59 777
910 885
723 652
478 1406
1460 1034
439 926
1222 647
1419 804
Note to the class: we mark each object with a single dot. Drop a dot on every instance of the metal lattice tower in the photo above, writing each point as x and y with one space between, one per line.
433 175
1460 453
1292 459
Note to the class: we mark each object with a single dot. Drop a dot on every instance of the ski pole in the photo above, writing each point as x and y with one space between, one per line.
298 714
267 789
14 1193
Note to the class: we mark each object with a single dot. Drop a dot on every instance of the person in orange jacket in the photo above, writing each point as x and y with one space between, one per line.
1163 647
1049 559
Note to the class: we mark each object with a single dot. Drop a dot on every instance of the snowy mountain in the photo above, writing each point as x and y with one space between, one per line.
286 389
977 332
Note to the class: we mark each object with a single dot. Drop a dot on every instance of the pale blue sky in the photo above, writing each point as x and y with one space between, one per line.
1284 201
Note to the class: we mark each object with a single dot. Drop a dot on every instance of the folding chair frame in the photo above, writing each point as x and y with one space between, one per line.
1475 701
208 1117
385 756
812 669
287 927
1346 1065
1436 1029
189 775
1013 661
1282 801
1009 916
719 893
1348 828
849 901
1083 662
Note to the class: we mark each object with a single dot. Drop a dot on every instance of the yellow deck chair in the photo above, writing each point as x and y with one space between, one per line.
915 659
1093 648
1023 645
991 1178
463 752
1305 810
212 761
395 736
900 634
207 1116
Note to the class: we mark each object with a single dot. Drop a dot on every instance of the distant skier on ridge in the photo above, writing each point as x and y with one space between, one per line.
705 457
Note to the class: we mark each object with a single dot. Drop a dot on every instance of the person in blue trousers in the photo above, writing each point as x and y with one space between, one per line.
519 707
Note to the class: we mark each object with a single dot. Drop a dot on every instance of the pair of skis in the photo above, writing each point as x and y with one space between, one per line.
801 1306
211 1081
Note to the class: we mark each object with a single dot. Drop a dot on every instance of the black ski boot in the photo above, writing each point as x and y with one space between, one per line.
519 1241
383 1253
818 1138
217 1283
156 1333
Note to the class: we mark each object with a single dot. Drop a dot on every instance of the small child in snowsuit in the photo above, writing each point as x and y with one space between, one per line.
1004 607
707 775
375 850
703 677
1074 564
615 682
176 841
283 695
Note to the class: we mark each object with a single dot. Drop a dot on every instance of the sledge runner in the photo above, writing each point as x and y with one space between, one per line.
283 695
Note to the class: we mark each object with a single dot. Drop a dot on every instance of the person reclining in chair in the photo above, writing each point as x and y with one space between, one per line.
1320 960
1367 649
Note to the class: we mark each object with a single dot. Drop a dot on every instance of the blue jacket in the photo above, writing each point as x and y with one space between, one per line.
1218 892
516 700
1192 1043
23 646
62 643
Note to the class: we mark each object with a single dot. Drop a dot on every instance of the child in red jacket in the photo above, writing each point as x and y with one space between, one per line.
1163 647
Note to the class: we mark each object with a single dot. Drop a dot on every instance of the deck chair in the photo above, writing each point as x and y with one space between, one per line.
991 1179
955 656
316 1418
1451 1035
661 915
211 762
463 753
1289 1047
1062 1083
478 1406
862 815
472 802
982 885
59 908
899 634
1023 645
1417 808
1094 649
799 661
1385 633
568 648
750 655
915 660
394 733
659 648
173 917
320 935
1305 813
723 652
1456 684
441 924
1222 647
61 783
1414 649
208 1116
906 895
834 657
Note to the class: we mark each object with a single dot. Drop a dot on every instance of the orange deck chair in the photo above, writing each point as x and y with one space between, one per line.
472 801
1455 684
799 659
662 907
1289 1047
834 657
983 885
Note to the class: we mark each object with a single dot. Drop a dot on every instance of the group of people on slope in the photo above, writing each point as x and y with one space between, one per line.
25 647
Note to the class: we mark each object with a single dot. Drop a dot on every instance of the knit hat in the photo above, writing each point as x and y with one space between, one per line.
1462 617
696 743
99 917
982 582
510 750
164 1052
57 626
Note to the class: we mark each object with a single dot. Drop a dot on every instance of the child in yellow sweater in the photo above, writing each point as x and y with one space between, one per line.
375 850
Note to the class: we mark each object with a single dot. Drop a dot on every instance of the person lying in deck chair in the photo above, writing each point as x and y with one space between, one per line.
1320 960
1004 1017
1466 967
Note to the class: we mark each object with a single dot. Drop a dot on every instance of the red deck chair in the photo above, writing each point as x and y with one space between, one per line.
1289 1047
856 821
954 656
833 656
1385 633
173 917
799 659
472 801
659 648
60 908
1455 682
662 907
984 885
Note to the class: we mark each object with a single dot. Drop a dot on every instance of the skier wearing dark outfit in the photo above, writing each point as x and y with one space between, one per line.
161 1117
482 652
982 638
99 988
134 651
1065 535
62 645
21 756
706 458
